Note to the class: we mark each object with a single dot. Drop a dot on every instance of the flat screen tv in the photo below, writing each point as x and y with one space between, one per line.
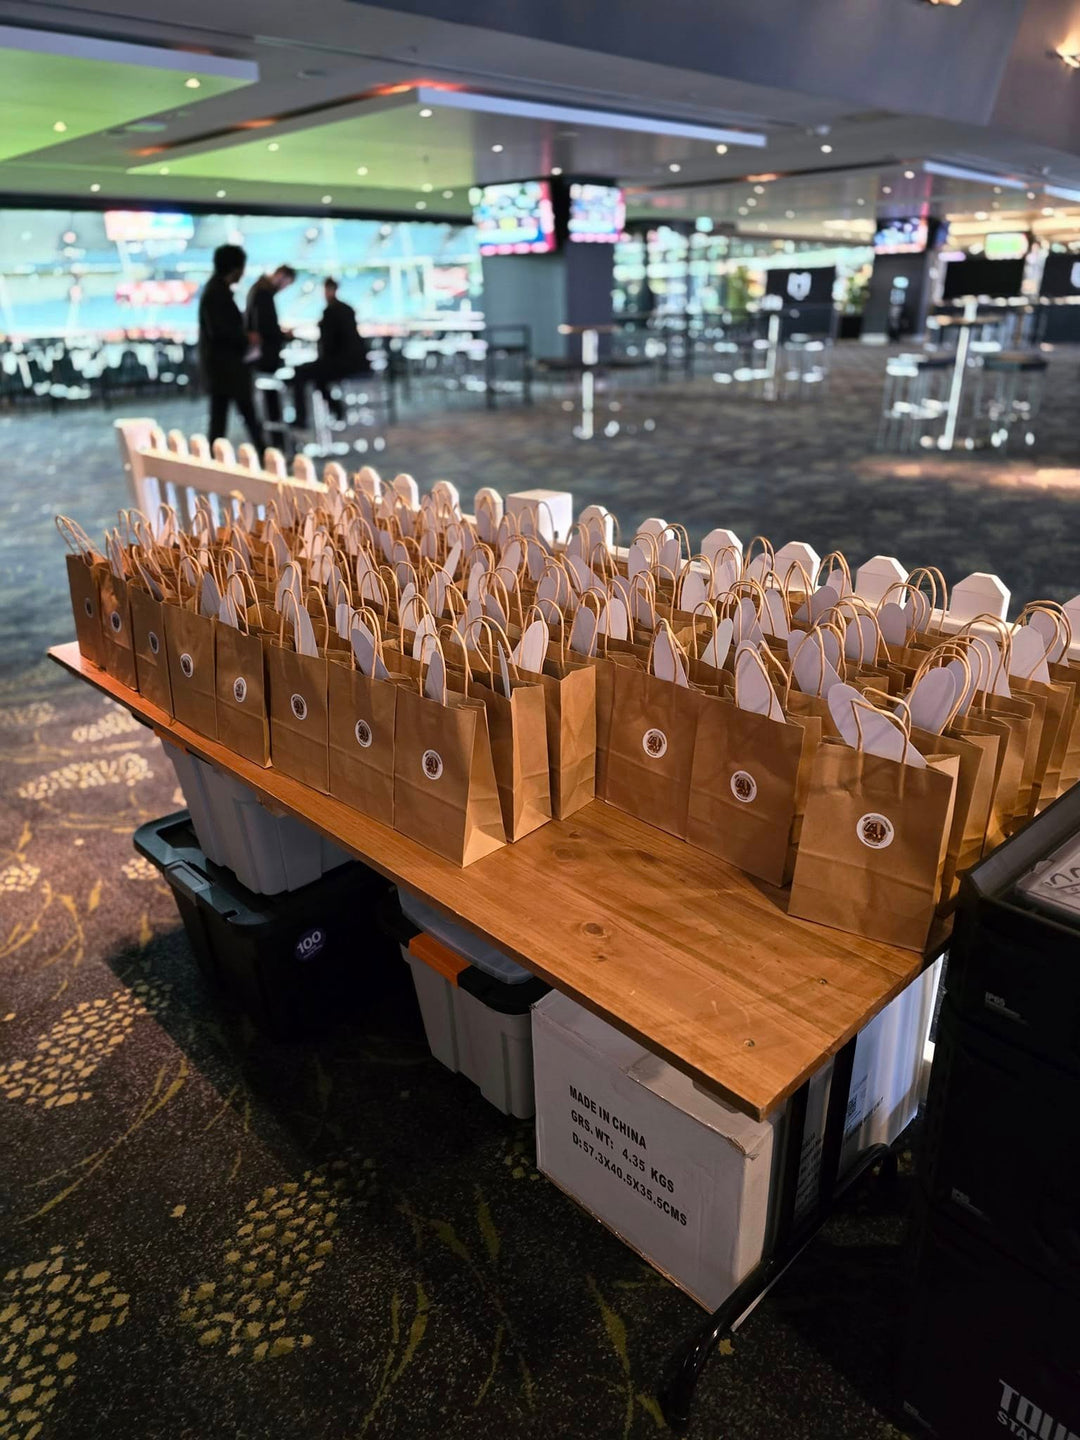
976 275
133 226
597 212
515 219
901 237
1006 245
1061 276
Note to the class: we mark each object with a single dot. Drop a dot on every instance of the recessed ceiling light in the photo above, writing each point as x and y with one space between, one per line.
95 188
1031 194
826 149
759 189
69 237
909 174
860 201
556 169
326 199
425 114
447 194
273 145
1048 210
790 214
761 225
59 127
421 204
751 201
886 190
980 214
721 149
192 83
674 167
995 204
496 149
743 210
220 194
361 169
164 170
427 187
997 189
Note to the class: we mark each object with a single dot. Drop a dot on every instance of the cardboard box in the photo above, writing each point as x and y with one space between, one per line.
550 512
680 1176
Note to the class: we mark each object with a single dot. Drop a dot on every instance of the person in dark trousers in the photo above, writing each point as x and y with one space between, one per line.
262 320
342 352
224 346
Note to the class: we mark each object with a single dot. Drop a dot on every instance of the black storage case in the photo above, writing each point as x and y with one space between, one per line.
1014 969
1001 1147
991 1347
294 962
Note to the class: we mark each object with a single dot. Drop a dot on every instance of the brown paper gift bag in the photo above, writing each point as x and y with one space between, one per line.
445 795
570 708
189 644
650 752
749 785
116 642
362 720
298 707
85 569
873 844
148 639
242 694
517 725
977 766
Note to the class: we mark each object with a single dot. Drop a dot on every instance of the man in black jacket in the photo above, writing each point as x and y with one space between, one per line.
342 353
224 345
262 319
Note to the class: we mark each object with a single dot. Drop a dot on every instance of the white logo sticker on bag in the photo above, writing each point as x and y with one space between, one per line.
116 622
88 606
654 743
187 665
431 761
154 642
743 786
239 689
876 831
363 733
299 707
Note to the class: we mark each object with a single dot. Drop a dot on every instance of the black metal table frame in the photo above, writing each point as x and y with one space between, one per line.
683 1369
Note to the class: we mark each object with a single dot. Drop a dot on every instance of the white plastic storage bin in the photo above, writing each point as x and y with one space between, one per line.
267 853
475 1008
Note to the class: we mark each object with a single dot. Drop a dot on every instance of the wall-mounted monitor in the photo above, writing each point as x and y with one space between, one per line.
1061 276
996 279
901 237
135 226
1006 245
597 212
516 219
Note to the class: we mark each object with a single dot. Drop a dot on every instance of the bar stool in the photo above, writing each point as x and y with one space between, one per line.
1009 394
276 432
914 399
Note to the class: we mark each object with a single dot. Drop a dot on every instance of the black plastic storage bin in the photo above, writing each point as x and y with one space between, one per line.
1013 960
991 1347
295 962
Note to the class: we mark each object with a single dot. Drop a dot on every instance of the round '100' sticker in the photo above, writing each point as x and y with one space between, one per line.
239 689
88 606
654 743
431 761
362 731
187 665
298 706
876 831
153 641
116 622
743 786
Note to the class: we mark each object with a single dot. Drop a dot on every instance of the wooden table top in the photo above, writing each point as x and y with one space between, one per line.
687 954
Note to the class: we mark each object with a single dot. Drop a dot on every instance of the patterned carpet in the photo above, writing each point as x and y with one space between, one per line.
206 1234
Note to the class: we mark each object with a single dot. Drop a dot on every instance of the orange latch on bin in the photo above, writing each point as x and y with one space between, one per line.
446 962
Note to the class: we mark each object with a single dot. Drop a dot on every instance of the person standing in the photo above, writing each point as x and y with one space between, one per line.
342 352
262 319
225 347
